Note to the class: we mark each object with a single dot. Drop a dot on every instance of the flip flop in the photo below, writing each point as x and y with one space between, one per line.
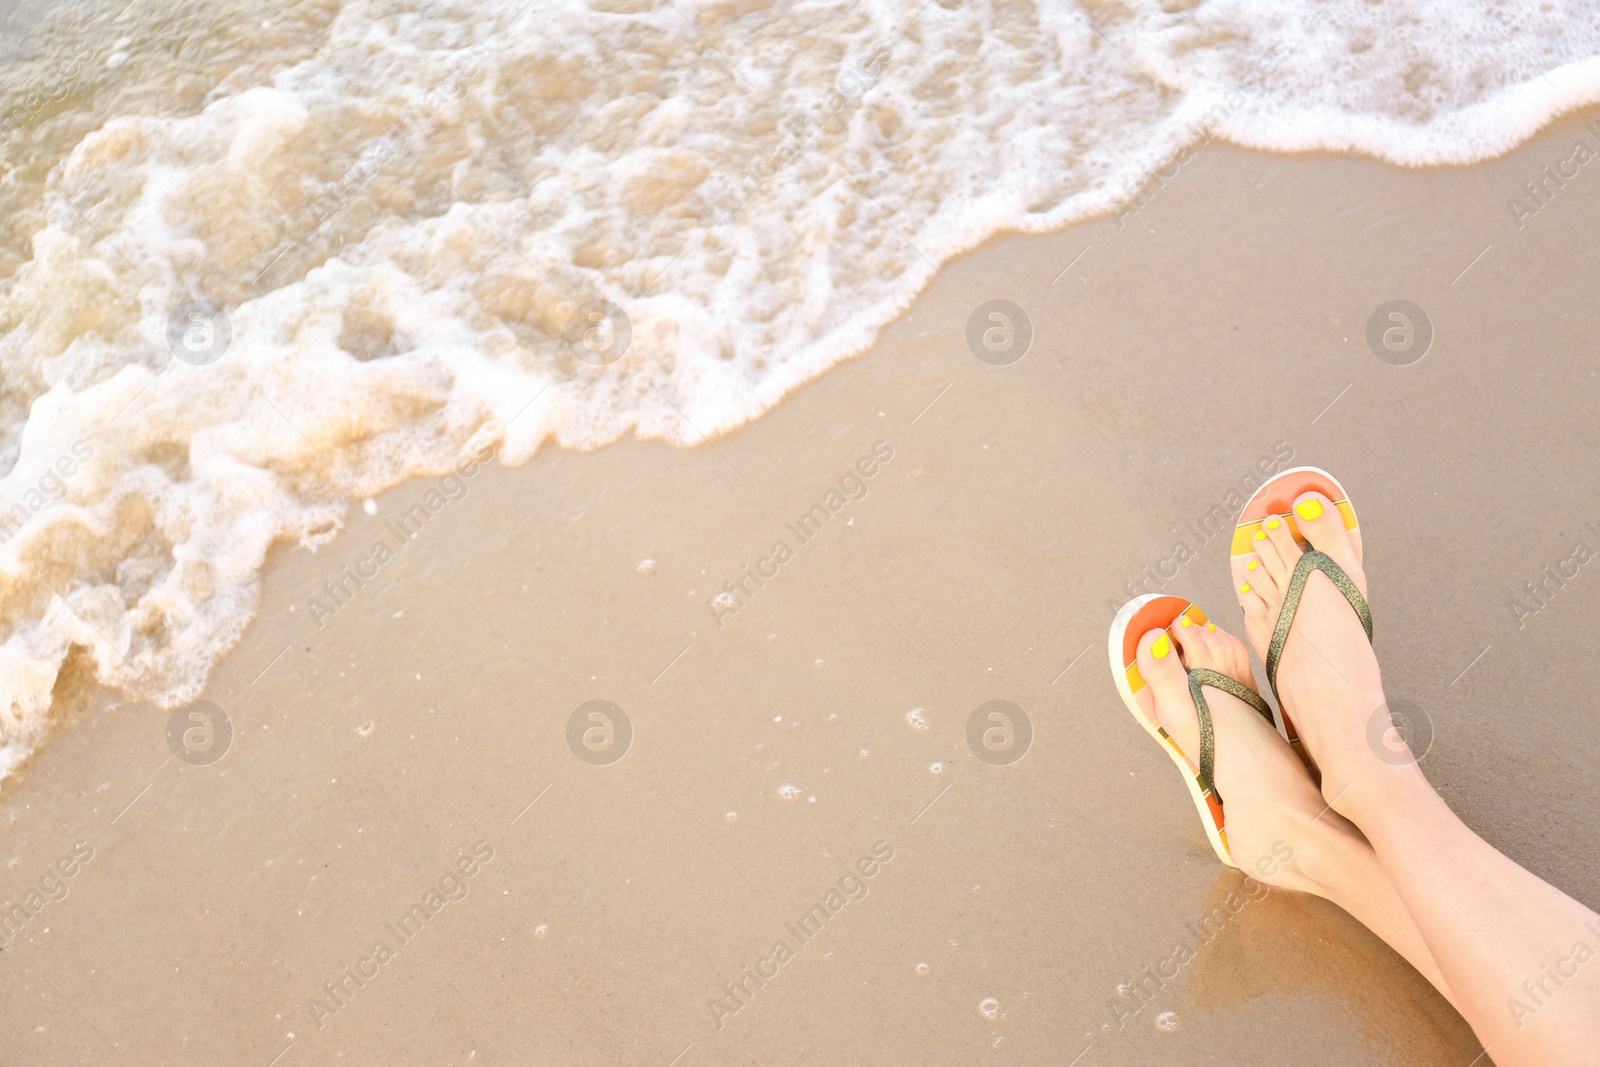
1138 617
1274 502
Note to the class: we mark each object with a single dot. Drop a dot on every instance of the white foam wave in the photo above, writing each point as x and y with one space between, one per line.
400 224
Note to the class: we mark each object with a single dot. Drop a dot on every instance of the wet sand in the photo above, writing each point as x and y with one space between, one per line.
411 747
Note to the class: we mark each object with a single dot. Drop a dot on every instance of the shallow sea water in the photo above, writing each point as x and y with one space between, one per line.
260 262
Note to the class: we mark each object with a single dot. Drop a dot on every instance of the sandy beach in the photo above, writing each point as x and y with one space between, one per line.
780 846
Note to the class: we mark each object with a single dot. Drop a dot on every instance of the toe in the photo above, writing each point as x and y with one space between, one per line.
1231 657
1283 545
1251 579
1264 567
1159 661
1321 523
1162 669
1193 643
1254 588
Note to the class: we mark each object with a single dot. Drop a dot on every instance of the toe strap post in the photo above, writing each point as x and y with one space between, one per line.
1312 560
1199 678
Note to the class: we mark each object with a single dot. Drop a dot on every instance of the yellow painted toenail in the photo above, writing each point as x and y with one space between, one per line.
1309 509
1252 565
1245 588
1160 647
1261 535
1211 626
1187 622
1273 524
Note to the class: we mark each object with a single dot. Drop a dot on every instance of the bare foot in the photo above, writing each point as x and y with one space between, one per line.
1279 829
1328 678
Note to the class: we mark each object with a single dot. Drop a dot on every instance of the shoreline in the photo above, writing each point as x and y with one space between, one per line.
829 709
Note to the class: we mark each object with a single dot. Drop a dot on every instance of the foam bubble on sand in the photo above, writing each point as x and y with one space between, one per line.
401 209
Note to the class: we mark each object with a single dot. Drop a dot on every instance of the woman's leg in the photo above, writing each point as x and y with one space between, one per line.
1521 958
1280 830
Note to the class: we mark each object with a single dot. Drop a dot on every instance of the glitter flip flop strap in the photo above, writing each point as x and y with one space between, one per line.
1198 678
1311 561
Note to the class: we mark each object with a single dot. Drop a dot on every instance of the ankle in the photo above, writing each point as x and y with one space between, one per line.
1327 858
1377 789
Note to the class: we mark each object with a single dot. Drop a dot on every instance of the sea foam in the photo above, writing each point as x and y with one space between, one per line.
400 207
